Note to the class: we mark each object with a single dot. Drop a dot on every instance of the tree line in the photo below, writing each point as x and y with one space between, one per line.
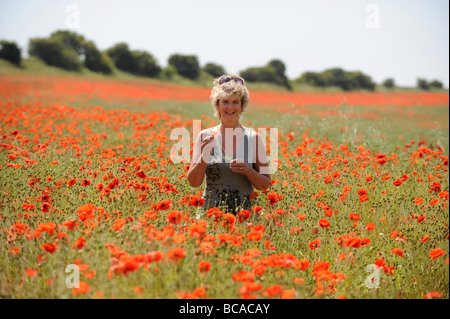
71 51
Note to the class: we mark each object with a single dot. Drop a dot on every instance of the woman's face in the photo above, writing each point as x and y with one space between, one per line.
230 108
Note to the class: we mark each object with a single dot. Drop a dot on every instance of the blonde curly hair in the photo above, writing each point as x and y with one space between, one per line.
227 89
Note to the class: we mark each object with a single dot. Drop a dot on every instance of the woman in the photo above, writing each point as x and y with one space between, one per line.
232 157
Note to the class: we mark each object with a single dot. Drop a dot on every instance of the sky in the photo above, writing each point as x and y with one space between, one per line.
399 39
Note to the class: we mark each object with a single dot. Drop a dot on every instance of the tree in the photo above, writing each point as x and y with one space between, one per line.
435 84
389 83
70 40
54 53
280 68
145 64
272 72
95 60
423 84
338 77
10 51
122 57
214 69
186 65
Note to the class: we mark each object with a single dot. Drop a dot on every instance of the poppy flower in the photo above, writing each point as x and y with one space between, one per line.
370 226
47 227
243 215
80 243
204 266
254 236
71 182
435 187
272 198
434 201
164 204
85 182
436 253
363 198
49 247
418 201
141 174
273 291
177 253
196 201
398 182
313 245
174 217
433 295
84 288
30 272
398 251
45 207
324 223
354 216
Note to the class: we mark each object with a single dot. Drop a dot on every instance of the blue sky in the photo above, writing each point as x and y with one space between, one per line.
402 39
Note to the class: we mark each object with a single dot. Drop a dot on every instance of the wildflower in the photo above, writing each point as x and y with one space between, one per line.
174 217
204 266
324 223
164 204
436 253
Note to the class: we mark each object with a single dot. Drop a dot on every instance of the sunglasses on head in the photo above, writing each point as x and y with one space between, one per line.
226 79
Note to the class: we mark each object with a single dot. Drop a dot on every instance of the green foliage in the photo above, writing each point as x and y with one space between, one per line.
122 57
186 65
97 61
135 62
435 84
273 72
68 50
389 83
338 77
145 64
54 53
10 51
423 84
168 72
214 69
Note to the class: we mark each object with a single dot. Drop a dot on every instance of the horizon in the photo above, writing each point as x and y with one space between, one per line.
402 39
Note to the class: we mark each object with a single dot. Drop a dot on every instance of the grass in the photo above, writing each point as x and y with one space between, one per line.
123 229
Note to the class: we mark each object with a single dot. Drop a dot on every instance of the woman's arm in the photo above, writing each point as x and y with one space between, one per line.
200 156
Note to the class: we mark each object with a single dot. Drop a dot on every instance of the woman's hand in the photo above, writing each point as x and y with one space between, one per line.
206 147
239 166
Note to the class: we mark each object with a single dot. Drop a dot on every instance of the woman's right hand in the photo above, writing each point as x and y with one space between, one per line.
207 145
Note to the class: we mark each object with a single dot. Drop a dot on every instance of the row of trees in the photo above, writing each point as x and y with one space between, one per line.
71 51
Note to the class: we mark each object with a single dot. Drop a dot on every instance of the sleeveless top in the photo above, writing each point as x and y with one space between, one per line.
225 189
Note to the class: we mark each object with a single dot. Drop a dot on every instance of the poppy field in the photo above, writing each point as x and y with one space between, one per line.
92 206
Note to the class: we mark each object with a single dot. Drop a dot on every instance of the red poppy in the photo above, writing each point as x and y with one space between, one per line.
50 247
164 204
243 215
71 182
174 217
313 245
324 223
437 252
354 216
204 266
85 182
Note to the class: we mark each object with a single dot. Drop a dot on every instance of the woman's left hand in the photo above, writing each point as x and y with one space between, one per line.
239 166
